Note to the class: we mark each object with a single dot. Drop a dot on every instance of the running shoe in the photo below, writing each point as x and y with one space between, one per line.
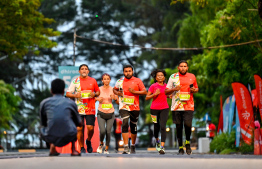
162 150
126 150
106 152
89 146
181 151
133 149
83 150
100 149
188 149
158 146
116 151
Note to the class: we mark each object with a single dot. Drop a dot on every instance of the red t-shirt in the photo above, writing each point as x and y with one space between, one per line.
159 101
211 127
134 83
89 84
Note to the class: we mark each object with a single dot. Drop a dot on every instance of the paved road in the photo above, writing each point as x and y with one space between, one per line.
142 159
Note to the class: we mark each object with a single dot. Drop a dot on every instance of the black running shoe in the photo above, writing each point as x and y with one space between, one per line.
83 150
89 146
188 149
181 151
162 150
133 149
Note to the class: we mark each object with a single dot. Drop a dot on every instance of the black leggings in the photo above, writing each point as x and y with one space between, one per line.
159 118
180 118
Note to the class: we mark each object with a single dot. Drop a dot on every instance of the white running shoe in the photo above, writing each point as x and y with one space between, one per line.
100 149
106 152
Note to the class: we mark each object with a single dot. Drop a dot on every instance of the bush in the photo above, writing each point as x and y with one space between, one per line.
222 142
246 149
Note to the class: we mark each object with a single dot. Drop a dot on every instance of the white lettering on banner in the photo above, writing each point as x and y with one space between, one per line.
243 98
67 80
69 71
245 133
246 115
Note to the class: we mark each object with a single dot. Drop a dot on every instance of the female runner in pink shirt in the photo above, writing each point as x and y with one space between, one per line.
159 108
105 115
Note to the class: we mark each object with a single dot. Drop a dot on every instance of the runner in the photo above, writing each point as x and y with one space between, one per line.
117 132
105 115
159 108
182 85
128 89
84 89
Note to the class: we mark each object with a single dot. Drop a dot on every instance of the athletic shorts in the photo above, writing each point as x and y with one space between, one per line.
133 114
90 119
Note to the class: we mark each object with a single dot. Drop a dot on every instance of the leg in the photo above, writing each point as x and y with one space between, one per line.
125 117
155 119
163 120
109 125
177 119
187 118
133 125
53 151
102 129
90 122
80 134
74 152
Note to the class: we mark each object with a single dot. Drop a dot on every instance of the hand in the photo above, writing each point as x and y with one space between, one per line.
78 95
170 96
192 89
120 93
112 96
92 94
100 99
131 90
157 92
177 88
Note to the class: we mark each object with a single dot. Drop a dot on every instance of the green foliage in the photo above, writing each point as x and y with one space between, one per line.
227 151
9 104
223 141
245 148
22 28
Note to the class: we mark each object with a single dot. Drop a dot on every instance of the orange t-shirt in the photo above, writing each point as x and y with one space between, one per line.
89 84
130 101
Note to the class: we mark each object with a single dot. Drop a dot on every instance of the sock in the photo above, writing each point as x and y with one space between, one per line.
132 144
157 141
162 146
181 147
126 145
187 142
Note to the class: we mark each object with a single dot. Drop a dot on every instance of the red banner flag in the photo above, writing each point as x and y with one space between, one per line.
258 82
254 97
245 111
220 123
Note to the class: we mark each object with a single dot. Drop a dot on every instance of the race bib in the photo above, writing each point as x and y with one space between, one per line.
85 94
154 118
107 106
129 100
184 96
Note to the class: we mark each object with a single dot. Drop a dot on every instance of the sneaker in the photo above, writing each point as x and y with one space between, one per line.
126 150
133 149
188 149
89 146
106 152
162 150
83 150
181 151
158 146
100 149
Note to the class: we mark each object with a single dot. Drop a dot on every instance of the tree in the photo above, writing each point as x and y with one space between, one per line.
22 28
9 104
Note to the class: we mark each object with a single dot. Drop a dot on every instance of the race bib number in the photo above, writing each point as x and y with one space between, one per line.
129 100
86 94
154 118
107 106
184 96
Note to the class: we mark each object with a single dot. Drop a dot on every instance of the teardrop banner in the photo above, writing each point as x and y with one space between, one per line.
258 82
245 111
220 123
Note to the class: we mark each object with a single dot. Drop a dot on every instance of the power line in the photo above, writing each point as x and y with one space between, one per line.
174 49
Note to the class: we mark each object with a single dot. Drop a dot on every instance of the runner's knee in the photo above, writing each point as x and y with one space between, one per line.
133 127
125 124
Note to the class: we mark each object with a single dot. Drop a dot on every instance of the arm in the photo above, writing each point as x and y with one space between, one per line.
170 91
43 117
94 94
142 92
71 95
118 93
75 115
151 95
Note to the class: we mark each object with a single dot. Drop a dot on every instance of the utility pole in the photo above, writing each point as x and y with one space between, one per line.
74 47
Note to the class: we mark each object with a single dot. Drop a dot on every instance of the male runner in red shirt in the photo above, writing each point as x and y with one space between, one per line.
128 89
84 89
182 85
